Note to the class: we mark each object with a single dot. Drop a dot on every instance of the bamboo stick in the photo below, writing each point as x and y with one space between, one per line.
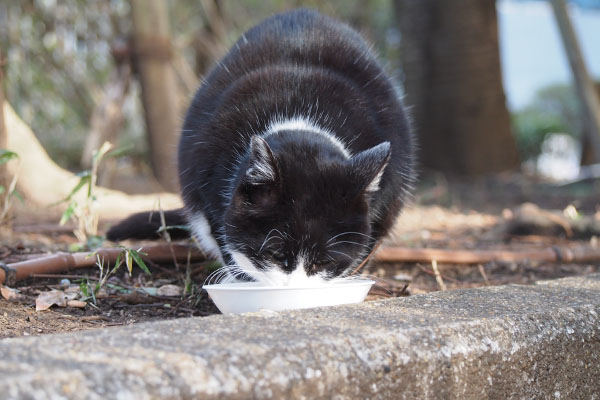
67 261
573 254
162 253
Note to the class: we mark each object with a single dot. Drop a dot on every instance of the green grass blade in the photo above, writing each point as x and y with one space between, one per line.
140 262
17 195
7 155
66 216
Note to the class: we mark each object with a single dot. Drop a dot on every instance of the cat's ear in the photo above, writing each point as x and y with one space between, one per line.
260 184
262 165
368 166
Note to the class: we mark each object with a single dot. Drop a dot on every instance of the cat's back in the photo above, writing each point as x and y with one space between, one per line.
297 38
303 37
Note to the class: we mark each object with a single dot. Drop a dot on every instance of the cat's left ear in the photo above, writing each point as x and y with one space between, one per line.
262 165
368 166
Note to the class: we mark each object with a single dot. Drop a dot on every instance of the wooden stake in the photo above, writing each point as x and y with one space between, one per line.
583 83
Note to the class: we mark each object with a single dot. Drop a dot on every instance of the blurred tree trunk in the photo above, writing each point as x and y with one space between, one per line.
588 156
152 57
107 117
3 175
450 56
2 129
209 42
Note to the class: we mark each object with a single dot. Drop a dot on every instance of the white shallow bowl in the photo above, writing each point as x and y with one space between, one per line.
237 298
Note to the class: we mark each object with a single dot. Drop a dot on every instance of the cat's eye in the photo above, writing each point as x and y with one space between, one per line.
278 256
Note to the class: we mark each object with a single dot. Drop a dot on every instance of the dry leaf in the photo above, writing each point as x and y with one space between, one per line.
10 293
45 300
169 290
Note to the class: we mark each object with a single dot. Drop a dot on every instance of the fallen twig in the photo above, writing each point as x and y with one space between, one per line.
430 272
62 276
483 274
438 276
94 318
10 273
572 254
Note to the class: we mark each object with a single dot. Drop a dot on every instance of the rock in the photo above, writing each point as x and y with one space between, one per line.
169 290
402 276
539 341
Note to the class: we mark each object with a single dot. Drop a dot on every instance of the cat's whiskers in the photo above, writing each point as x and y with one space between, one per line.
219 274
212 275
341 253
230 278
346 241
267 238
350 233
267 241
215 276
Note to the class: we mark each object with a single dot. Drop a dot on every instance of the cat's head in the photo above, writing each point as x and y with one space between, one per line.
299 210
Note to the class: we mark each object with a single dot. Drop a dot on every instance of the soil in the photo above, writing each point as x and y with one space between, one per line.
445 214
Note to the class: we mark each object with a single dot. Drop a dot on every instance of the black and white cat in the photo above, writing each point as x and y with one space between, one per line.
296 154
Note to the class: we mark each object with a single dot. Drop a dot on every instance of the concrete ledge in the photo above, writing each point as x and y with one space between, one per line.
540 341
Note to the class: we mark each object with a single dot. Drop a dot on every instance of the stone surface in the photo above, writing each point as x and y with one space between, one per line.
540 341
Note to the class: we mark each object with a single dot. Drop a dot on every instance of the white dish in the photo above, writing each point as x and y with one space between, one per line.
237 298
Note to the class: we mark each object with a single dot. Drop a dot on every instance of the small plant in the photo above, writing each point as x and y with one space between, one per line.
190 289
127 257
163 231
83 213
7 193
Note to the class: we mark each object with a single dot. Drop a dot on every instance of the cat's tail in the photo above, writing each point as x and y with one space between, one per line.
149 225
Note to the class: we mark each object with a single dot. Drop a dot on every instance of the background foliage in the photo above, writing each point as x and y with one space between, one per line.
60 55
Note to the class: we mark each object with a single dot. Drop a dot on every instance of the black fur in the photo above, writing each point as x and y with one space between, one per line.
296 64
146 225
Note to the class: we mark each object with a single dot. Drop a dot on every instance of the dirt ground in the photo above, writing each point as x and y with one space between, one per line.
444 214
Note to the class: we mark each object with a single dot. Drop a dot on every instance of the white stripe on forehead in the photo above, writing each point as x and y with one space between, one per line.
305 124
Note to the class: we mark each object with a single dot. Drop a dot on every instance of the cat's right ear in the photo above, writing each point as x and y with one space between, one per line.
368 166
260 184
262 165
